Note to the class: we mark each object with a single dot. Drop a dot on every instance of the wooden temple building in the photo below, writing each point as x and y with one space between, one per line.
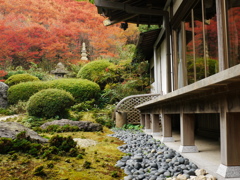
195 66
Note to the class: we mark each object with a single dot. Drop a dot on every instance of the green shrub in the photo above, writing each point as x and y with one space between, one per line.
105 121
11 73
32 121
19 108
24 91
6 145
99 71
35 149
35 70
50 103
18 78
20 144
81 89
132 126
62 143
6 111
83 106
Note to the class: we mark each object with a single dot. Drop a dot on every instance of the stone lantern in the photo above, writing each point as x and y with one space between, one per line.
60 71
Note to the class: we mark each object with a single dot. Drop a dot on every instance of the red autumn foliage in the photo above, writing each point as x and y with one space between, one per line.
2 74
52 31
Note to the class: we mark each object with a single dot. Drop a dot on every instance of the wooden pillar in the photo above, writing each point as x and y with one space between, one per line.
187 133
155 124
147 128
142 120
121 119
230 145
167 128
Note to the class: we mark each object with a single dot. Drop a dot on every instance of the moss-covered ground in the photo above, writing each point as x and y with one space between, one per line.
97 163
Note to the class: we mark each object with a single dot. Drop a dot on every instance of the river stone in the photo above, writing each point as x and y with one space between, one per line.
3 95
182 177
167 174
140 177
160 178
12 129
127 171
83 125
153 178
138 157
130 177
120 164
199 172
150 158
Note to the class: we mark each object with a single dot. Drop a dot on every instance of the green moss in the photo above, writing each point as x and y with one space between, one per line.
57 128
26 166
87 165
38 171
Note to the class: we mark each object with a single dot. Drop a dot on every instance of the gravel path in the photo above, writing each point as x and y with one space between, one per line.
149 159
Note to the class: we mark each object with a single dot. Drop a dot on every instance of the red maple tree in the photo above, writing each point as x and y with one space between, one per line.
53 31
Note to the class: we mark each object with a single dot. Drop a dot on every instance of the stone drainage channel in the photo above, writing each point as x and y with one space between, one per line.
149 159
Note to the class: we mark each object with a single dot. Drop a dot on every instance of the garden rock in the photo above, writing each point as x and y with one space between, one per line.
3 95
83 143
83 125
12 129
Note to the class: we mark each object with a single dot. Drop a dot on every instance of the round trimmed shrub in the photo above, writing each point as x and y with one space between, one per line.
50 103
24 91
97 71
81 89
18 78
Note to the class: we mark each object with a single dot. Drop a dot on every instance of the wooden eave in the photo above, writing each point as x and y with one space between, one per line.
148 12
146 42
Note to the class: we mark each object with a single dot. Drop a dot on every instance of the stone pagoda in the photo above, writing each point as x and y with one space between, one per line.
84 53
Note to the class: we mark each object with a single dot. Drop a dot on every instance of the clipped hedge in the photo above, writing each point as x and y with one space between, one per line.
50 103
97 71
18 78
24 91
81 89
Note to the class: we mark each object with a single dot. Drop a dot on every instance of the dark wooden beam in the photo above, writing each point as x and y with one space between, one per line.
123 19
109 4
128 8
